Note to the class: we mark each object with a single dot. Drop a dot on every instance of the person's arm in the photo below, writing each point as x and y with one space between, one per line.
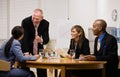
87 58
45 34
85 47
16 48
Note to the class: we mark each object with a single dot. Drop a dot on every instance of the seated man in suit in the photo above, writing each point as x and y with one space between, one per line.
107 50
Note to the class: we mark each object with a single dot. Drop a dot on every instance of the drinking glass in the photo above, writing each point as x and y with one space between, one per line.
41 53
72 53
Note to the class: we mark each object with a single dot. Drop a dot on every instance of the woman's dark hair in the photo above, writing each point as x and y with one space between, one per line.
16 32
79 29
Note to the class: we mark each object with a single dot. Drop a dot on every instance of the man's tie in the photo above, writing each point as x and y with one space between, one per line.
35 43
98 45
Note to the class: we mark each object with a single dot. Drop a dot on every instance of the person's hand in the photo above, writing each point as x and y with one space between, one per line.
81 55
87 58
26 54
39 39
37 56
68 56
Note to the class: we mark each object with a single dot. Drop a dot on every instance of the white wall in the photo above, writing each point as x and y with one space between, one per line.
3 19
83 12
56 12
19 9
62 15
104 10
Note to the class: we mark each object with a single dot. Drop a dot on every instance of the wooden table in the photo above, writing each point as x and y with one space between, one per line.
66 64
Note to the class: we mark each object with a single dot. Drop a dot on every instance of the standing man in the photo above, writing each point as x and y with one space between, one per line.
36 34
105 48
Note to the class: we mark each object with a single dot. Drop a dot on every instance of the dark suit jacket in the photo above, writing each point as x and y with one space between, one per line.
83 50
29 34
107 52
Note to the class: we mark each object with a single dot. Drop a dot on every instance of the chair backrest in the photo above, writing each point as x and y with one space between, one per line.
4 65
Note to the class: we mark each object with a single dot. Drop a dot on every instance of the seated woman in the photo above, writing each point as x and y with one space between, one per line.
79 44
11 51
